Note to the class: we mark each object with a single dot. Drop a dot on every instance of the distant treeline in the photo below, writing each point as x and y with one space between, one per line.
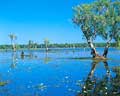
66 45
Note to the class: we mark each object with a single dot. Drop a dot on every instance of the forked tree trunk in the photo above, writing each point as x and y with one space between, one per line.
90 43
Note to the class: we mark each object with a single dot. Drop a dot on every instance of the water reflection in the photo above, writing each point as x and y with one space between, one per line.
92 86
29 55
14 60
107 86
47 59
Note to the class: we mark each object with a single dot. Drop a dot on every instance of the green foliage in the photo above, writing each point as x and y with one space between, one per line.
118 42
3 83
65 45
100 18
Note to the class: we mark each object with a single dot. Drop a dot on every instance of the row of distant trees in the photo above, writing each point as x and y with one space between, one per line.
30 44
65 45
46 44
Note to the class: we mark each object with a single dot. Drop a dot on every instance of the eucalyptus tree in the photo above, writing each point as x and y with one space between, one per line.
112 16
13 37
46 42
100 18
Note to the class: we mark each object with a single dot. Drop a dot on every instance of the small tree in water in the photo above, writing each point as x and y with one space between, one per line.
100 18
13 37
46 42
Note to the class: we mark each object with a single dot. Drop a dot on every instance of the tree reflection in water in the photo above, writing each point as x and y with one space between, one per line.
47 59
14 60
107 86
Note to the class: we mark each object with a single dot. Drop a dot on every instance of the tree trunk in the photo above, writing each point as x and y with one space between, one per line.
90 43
90 75
106 48
46 47
94 53
93 50
106 51
13 45
106 66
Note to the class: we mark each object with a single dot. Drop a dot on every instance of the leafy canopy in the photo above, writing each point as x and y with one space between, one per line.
100 18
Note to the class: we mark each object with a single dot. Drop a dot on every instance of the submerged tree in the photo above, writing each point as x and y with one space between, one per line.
13 37
100 18
46 42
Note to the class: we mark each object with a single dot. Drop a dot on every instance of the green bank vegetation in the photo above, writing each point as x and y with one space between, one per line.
35 46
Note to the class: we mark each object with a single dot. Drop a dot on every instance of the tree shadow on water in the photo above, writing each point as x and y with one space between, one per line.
107 86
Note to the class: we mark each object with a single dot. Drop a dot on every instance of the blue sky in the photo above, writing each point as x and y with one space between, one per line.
39 19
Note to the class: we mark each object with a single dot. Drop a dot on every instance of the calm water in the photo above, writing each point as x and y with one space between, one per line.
61 72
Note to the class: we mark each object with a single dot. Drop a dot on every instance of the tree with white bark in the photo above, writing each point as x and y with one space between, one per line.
13 37
46 42
100 18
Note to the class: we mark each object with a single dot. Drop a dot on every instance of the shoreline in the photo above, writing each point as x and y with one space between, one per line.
32 49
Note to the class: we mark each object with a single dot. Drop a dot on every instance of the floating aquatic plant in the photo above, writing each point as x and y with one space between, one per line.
3 83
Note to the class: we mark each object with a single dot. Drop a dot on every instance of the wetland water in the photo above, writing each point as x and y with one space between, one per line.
60 72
